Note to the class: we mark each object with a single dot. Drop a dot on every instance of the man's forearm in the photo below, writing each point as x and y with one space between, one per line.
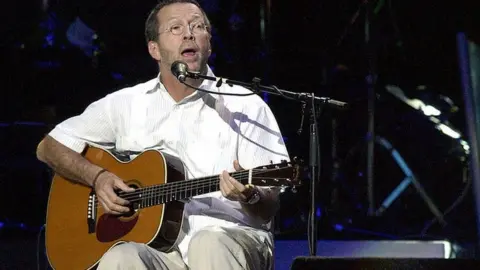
267 207
66 162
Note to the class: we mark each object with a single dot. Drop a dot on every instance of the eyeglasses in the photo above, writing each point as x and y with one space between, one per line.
195 28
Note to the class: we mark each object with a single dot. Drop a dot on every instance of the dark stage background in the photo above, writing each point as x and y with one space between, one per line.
52 70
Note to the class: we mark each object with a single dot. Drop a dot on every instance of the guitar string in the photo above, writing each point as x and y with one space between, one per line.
155 192
175 186
169 192
188 183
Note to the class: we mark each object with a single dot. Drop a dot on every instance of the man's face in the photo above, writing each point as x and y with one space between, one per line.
191 46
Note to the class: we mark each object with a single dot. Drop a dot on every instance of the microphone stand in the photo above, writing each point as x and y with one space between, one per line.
371 84
257 88
314 152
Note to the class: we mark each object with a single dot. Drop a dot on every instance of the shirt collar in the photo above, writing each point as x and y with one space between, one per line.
206 84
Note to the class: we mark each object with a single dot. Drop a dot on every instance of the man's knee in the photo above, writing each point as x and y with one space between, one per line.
207 240
125 255
215 248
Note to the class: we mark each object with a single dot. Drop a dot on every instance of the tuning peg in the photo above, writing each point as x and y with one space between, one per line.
298 160
295 160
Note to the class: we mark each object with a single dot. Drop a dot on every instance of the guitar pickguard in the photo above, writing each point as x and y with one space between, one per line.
111 228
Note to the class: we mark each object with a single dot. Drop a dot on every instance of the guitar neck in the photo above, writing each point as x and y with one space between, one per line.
164 193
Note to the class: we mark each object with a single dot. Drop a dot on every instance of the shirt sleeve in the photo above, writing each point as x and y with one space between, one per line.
261 141
93 126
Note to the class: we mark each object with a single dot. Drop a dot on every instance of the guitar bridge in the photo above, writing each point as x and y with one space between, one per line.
92 212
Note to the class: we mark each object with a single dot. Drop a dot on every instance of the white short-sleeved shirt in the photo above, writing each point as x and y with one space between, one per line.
206 131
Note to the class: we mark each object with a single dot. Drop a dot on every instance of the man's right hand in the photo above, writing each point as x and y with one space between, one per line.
105 187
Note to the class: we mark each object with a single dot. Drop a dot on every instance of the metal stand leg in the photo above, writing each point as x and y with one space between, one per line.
409 179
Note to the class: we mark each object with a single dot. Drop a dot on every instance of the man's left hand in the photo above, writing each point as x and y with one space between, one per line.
231 188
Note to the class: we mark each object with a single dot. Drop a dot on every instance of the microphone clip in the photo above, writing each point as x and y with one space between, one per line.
256 85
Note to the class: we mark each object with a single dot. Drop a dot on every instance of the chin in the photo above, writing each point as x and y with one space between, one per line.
193 66
196 66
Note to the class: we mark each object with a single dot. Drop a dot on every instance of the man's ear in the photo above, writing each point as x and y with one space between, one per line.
210 51
209 45
154 50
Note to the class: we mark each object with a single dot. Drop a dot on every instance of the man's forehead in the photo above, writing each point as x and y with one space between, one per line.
178 11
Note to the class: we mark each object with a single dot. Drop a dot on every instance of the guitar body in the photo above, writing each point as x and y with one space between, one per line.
78 232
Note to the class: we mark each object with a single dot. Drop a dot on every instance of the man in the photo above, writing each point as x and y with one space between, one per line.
211 133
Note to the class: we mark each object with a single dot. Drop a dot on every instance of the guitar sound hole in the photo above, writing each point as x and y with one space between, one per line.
130 213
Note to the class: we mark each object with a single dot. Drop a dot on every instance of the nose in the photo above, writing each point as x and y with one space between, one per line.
187 34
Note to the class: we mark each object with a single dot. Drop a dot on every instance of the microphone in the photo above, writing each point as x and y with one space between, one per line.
180 70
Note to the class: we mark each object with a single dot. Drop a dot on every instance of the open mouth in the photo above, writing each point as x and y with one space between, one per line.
189 52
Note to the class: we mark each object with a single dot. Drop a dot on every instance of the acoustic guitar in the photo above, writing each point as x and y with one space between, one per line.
78 232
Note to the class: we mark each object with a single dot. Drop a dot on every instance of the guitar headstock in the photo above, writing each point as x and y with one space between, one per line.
283 174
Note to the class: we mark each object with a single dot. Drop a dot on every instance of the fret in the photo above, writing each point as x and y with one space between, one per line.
145 203
174 193
149 196
191 188
152 196
142 198
194 189
178 194
167 193
202 188
170 193
205 188
186 190
198 189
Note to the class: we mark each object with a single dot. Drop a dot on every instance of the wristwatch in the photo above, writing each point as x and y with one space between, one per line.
254 197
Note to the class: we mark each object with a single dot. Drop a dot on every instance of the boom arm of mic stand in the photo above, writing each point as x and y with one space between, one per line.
257 87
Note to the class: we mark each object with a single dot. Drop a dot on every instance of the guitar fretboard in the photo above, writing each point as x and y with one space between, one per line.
164 193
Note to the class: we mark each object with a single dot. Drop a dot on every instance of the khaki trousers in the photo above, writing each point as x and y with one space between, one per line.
209 249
